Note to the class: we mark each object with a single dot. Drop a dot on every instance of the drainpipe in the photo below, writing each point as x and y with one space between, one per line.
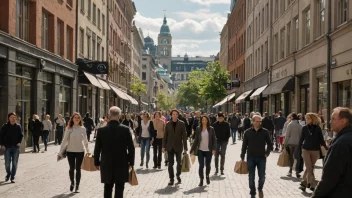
328 66
76 48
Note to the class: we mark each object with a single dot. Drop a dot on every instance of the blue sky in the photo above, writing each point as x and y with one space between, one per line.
194 24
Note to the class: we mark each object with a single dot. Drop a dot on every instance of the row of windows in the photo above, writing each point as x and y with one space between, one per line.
258 61
98 18
119 18
94 49
238 21
237 49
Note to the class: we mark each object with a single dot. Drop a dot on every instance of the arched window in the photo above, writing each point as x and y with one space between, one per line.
164 41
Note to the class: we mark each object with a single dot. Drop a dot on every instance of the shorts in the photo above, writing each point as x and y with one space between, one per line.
281 139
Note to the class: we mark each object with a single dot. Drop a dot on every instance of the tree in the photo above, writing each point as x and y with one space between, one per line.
165 102
137 87
216 77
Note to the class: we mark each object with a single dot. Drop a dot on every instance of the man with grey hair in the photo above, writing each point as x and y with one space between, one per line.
114 154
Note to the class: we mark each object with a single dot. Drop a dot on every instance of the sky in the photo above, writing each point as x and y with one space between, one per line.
195 25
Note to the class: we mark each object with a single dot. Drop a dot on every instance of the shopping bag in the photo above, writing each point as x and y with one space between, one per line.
88 163
193 158
132 178
323 151
284 159
241 167
186 163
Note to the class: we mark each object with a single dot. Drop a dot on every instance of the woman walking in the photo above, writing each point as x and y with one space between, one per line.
310 142
47 127
37 132
159 126
293 135
74 143
146 136
204 147
127 121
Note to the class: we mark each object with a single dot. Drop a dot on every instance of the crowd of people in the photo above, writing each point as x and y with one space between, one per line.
168 133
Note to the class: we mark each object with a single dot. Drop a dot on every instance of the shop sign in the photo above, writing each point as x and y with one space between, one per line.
282 72
25 59
93 67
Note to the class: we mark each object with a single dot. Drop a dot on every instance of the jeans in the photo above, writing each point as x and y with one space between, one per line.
260 163
11 155
204 155
233 132
171 157
45 138
145 148
220 150
292 153
119 187
88 134
35 143
157 150
75 160
58 134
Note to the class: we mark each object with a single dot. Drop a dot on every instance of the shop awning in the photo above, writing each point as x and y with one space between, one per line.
283 85
227 98
119 93
104 84
243 96
130 98
144 103
257 92
93 80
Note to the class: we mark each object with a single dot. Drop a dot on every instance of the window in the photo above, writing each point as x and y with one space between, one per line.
59 37
94 13
321 16
288 39
22 20
69 2
307 27
102 54
81 41
266 54
144 66
282 7
262 23
45 30
89 8
275 48
82 5
69 36
341 11
103 23
99 18
282 43
88 46
144 76
276 11
98 52
296 34
93 48
267 15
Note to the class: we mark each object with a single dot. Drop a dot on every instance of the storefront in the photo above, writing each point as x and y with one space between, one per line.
342 85
304 91
34 81
258 102
226 103
244 102
322 95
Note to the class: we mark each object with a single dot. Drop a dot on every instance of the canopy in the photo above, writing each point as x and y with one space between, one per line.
93 80
258 92
227 98
243 96
283 85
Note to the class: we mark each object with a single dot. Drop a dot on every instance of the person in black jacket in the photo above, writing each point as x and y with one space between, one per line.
254 141
336 180
310 142
89 125
10 138
222 132
247 122
36 133
146 134
234 122
268 124
128 122
196 120
114 154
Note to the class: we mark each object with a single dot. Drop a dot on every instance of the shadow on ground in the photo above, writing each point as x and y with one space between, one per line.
200 189
294 179
307 194
65 195
147 171
168 190
217 178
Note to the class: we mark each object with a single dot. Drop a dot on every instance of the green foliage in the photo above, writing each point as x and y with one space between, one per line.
137 87
165 102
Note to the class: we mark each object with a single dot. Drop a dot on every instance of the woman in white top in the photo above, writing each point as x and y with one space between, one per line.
74 143
47 127
204 146
146 135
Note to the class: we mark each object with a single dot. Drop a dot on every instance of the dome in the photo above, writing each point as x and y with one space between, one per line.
165 30
148 40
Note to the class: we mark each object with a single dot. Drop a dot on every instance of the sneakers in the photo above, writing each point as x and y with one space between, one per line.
141 164
298 175
261 194
208 180
178 180
171 183
289 174
222 172
13 181
200 183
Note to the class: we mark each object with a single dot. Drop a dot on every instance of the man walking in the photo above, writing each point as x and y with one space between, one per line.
222 132
254 141
279 123
114 154
174 142
336 180
60 124
268 124
196 121
235 122
10 138
89 125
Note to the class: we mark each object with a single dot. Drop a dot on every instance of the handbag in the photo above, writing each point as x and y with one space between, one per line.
132 178
88 163
186 163
284 159
64 154
241 167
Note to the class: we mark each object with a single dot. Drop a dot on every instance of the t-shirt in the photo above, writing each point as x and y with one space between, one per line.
204 143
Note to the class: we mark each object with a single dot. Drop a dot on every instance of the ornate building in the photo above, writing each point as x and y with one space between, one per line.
164 49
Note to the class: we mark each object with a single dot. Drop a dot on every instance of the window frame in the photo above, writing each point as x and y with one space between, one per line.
45 30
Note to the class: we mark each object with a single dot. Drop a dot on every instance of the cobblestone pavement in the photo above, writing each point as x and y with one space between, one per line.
40 175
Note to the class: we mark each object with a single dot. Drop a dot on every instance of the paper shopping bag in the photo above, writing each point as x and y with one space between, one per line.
186 163
88 163
193 158
132 178
284 159
241 167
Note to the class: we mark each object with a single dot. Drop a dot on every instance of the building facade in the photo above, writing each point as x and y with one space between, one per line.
164 49
224 46
137 50
148 78
37 55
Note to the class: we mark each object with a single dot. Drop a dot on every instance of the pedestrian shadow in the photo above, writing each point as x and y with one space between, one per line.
294 179
168 190
217 178
200 189
3 183
147 171
318 167
307 194
65 195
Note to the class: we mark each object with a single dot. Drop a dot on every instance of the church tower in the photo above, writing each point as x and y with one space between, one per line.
164 52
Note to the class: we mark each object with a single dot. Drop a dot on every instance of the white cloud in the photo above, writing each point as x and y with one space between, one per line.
201 14
197 41
209 2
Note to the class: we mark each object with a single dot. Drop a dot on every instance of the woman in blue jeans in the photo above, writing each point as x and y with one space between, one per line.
204 146
146 135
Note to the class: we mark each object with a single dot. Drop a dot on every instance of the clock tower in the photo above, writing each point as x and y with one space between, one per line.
164 51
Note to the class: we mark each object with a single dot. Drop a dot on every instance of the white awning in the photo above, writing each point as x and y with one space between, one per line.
242 97
104 84
257 92
227 98
119 93
93 80
144 103
133 101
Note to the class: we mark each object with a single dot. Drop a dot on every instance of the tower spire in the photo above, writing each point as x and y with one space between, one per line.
164 13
